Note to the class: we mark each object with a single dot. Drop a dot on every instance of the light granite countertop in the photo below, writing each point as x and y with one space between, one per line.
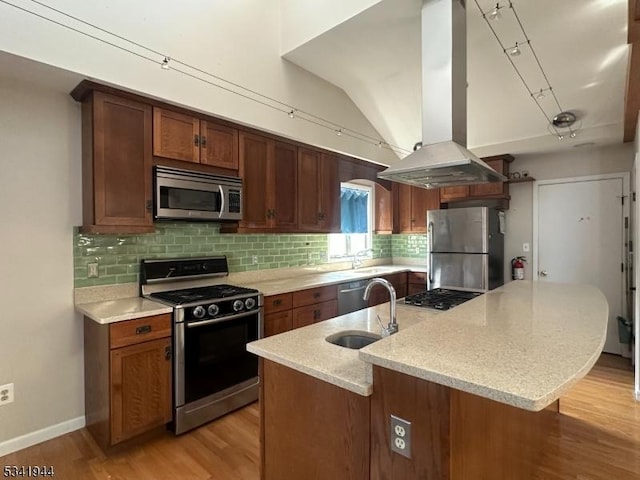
110 311
524 344
115 303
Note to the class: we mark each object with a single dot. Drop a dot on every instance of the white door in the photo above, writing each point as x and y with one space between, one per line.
580 239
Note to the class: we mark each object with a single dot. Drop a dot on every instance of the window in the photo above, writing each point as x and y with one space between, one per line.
355 223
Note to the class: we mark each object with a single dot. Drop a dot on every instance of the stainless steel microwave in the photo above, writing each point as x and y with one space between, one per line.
199 196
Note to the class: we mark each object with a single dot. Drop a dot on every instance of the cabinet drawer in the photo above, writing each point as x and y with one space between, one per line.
314 295
277 303
417 278
139 330
278 322
310 314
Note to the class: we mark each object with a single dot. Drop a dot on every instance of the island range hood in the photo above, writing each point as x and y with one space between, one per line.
443 160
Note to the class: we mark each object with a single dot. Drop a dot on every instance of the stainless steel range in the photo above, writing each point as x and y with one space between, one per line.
440 298
212 324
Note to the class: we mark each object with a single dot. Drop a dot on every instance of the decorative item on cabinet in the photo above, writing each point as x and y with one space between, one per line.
182 137
127 377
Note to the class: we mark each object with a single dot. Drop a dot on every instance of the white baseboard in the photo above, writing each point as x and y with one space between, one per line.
39 436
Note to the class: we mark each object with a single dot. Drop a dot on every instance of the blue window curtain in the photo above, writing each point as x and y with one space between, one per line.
353 210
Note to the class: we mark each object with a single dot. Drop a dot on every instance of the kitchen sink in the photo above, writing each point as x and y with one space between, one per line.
355 339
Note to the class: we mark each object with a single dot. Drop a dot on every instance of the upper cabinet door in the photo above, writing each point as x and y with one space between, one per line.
454 193
309 214
330 193
116 165
218 145
423 200
491 189
176 136
284 179
255 154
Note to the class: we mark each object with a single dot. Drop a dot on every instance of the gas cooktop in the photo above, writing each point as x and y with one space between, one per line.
440 298
202 294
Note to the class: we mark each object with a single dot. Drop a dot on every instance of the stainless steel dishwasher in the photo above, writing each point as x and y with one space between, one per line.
350 296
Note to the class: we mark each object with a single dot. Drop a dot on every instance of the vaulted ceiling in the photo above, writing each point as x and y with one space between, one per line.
581 45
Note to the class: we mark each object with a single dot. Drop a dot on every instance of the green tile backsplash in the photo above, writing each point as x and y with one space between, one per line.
409 245
119 256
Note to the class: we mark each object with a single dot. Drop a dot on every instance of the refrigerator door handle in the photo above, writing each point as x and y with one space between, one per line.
430 235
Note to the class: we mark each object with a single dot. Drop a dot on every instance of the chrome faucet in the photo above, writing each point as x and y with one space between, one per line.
393 324
355 261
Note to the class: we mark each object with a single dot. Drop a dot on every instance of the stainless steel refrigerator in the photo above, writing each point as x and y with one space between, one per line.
465 248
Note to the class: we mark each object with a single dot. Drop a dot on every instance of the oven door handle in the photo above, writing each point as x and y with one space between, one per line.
204 323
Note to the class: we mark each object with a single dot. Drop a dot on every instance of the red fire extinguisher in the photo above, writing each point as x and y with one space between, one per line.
517 268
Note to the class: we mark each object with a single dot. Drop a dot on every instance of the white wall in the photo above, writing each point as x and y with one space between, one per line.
581 162
238 40
302 21
40 335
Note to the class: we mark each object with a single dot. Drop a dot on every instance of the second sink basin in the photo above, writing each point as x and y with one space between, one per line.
355 339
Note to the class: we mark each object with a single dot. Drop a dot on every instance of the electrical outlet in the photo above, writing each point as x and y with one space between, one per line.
254 259
6 394
400 436
92 270
525 247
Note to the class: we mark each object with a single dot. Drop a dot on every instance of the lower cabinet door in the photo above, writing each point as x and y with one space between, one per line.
317 312
140 388
277 322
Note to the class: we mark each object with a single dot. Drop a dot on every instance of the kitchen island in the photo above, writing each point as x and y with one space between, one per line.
480 385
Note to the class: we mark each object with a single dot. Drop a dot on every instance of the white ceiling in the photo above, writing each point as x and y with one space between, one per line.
581 44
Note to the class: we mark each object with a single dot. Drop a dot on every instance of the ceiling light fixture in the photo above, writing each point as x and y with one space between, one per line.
514 51
339 132
165 63
494 13
292 114
554 124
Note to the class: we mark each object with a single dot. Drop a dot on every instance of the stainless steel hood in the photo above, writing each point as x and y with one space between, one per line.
443 159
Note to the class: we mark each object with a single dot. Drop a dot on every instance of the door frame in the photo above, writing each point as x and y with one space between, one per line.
625 259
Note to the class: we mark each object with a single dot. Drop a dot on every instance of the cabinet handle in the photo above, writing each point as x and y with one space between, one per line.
203 141
167 352
277 302
196 140
143 330
316 295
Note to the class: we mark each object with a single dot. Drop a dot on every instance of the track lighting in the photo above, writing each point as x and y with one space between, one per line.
165 63
292 114
514 51
339 132
494 13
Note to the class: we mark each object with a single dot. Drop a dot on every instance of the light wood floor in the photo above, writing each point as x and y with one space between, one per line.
598 438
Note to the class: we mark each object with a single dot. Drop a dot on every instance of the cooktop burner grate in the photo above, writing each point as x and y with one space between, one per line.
440 298
212 292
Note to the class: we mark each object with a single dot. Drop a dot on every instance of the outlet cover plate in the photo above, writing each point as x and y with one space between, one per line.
400 436
6 394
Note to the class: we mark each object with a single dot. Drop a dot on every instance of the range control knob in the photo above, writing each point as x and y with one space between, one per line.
213 309
199 311
250 303
238 305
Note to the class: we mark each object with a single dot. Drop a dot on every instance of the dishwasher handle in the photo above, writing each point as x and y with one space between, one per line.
356 289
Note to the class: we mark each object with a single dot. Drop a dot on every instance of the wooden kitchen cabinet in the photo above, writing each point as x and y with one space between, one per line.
380 294
278 317
128 379
314 305
116 165
190 139
383 210
318 192
269 171
411 205
416 282
498 190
